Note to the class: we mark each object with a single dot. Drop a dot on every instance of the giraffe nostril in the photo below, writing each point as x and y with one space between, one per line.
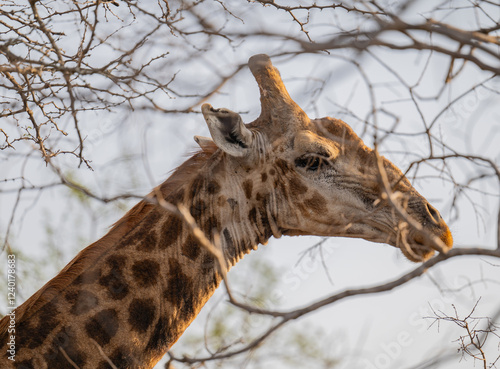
436 217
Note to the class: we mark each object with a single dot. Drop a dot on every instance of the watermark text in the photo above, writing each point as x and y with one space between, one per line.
11 305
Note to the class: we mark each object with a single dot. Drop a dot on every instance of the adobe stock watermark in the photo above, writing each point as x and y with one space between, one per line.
390 351
469 103
310 264
306 267
11 306
94 138
292 280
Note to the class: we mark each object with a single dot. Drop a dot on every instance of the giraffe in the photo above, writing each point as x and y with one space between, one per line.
125 300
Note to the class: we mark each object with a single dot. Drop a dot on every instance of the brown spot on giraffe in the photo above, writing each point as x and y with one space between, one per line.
213 188
148 244
210 224
265 227
31 334
117 261
160 339
171 230
207 261
88 277
141 314
252 216
191 249
121 357
25 364
81 301
196 187
247 188
103 326
146 272
229 240
198 208
232 203
297 187
180 287
316 204
172 194
144 238
282 165
114 281
65 341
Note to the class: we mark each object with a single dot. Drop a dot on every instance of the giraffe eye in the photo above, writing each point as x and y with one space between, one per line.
311 162
314 164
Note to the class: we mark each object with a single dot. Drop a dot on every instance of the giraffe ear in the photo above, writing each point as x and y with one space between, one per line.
228 130
204 142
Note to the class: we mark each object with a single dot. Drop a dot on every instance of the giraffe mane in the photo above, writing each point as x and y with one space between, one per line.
96 250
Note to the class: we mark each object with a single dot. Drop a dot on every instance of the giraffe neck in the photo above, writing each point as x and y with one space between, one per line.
181 273
133 301
189 272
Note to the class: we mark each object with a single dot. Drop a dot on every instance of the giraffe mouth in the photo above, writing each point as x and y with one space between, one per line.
414 244
417 249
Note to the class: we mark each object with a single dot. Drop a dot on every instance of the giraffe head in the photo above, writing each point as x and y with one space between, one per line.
317 177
